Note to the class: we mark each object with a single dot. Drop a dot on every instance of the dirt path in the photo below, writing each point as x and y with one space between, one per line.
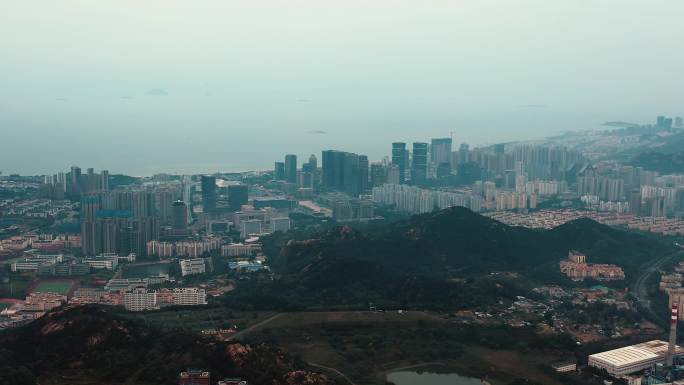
254 327
337 372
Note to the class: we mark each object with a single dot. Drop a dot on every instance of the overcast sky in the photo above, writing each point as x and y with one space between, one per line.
202 86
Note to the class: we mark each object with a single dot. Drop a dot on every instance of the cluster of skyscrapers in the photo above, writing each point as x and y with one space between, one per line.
227 198
123 221
74 183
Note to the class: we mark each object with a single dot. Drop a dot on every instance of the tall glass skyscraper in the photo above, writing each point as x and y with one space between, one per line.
419 163
291 168
208 193
399 159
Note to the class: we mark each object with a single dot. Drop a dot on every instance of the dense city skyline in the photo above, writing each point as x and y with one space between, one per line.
341 192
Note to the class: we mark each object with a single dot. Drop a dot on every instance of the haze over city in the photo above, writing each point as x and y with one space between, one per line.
168 86
341 192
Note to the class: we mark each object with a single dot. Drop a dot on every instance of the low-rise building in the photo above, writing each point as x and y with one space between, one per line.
192 266
247 266
124 284
102 262
564 367
280 224
186 296
232 381
576 267
240 249
42 302
631 359
84 296
33 261
194 377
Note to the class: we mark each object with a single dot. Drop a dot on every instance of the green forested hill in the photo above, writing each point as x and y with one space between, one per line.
97 346
413 262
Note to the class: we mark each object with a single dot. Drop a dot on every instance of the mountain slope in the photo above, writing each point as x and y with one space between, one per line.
459 241
98 346
413 263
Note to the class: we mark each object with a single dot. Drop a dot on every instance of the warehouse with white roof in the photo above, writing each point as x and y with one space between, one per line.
631 359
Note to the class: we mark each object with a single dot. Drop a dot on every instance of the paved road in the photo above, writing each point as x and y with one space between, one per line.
319 366
640 291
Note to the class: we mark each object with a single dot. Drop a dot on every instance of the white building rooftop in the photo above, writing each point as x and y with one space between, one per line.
630 359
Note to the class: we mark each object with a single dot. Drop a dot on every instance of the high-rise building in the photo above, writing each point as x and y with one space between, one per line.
312 163
440 151
144 204
279 171
75 185
309 176
140 299
208 183
393 174
464 153
118 222
664 122
351 178
363 174
90 205
399 159
291 168
342 171
91 181
378 174
164 199
419 163
104 180
333 163
238 195
180 215
635 202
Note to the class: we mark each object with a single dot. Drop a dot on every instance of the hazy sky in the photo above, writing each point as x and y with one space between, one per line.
202 86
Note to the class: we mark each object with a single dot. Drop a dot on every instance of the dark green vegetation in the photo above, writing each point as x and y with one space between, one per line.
116 180
145 270
196 319
664 163
444 261
96 345
366 345
59 287
412 263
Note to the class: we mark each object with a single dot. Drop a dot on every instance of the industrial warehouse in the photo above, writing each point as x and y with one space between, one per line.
661 359
632 359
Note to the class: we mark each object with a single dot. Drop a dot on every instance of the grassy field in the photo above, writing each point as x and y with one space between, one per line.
201 318
146 270
366 346
59 287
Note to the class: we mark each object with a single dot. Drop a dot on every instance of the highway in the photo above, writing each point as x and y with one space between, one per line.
640 291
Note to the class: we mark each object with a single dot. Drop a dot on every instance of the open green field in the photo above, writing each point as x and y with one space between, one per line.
201 318
365 346
10 261
59 287
146 270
